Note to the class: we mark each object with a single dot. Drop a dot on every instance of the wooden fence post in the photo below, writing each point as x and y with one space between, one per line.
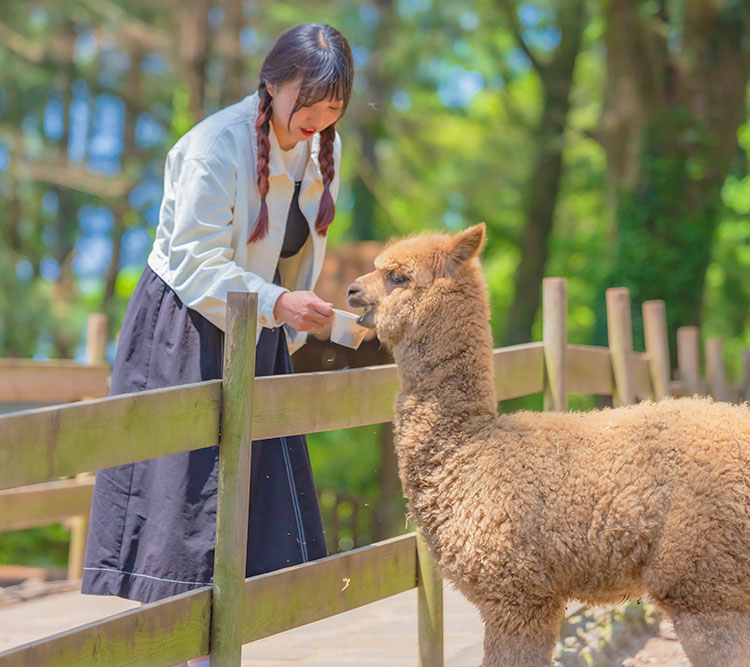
79 528
96 338
430 608
620 333
745 382
657 346
96 347
688 362
234 479
717 385
555 326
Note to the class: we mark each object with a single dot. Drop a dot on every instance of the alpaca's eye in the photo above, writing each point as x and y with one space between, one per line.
397 278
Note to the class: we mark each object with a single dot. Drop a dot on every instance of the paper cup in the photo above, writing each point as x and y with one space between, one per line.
345 330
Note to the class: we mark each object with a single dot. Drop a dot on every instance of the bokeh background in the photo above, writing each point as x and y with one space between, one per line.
605 141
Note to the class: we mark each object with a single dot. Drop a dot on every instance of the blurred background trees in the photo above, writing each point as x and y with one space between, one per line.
603 140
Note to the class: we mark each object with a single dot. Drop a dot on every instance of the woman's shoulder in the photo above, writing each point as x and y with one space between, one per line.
220 136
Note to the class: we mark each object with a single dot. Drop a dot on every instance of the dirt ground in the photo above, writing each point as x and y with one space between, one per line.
663 650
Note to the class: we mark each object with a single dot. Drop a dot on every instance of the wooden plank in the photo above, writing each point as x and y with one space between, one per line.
27 380
312 402
160 634
234 479
60 441
519 370
294 596
41 504
589 370
555 326
429 608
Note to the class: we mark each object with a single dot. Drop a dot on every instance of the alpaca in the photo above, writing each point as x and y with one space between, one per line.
524 511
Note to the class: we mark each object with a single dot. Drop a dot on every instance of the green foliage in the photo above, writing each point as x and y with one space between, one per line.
347 460
46 546
665 237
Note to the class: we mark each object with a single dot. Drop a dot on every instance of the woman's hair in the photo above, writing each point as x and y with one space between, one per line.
322 58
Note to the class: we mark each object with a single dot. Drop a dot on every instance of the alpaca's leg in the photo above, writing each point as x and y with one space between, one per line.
714 638
518 636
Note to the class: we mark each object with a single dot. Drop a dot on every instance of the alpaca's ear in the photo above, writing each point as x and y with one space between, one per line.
465 245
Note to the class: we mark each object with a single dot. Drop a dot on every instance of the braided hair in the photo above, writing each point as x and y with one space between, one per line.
264 149
321 57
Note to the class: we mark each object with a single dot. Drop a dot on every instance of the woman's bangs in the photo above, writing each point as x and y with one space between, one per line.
323 83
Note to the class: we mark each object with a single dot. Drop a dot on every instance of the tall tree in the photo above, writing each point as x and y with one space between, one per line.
556 78
676 95
193 49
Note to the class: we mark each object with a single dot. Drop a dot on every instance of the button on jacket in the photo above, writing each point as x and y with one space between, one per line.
210 204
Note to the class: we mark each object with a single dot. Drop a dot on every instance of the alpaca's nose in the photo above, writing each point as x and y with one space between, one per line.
355 295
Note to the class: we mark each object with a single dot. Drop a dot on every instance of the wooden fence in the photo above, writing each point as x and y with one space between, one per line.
64 501
45 444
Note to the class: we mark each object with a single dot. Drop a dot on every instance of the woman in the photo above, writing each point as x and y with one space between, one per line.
248 196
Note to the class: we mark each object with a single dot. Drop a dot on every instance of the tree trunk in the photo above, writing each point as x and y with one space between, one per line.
544 182
231 90
67 224
193 49
133 87
370 126
669 128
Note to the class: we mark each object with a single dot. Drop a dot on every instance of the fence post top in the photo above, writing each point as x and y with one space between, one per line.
554 280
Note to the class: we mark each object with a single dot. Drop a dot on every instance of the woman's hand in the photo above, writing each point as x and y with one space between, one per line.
302 310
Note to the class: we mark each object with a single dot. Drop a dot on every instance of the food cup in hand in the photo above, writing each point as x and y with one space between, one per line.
345 330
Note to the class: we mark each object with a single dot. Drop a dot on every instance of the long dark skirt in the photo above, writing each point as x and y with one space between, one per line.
153 523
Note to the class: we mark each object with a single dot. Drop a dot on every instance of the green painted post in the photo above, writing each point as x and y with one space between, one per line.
234 479
430 608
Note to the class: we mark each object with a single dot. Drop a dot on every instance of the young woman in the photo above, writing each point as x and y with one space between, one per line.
248 196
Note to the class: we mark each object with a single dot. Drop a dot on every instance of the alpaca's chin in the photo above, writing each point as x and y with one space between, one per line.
367 319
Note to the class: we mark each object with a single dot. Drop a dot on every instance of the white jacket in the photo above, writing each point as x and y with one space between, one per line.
211 202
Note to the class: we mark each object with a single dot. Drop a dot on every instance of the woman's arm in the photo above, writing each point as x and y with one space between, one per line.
199 196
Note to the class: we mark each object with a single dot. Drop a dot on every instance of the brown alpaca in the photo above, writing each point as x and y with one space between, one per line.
524 511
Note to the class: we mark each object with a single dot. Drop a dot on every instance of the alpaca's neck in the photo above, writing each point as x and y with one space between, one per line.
447 362
447 400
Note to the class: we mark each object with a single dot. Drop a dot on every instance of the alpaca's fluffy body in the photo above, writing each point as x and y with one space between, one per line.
527 510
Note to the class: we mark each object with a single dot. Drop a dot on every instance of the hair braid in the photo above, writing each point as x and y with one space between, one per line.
326 209
262 124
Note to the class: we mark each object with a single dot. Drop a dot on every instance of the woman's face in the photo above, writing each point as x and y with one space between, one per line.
306 121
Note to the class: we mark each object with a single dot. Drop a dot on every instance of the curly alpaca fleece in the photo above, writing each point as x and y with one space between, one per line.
524 511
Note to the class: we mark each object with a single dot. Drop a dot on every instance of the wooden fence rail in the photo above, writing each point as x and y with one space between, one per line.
45 444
